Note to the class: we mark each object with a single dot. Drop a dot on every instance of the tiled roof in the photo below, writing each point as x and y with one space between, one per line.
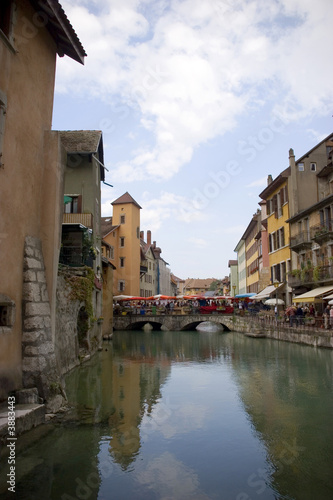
107 226
61 30
81 141
125 198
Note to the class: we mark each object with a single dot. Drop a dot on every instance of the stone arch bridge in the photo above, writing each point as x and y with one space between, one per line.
175 322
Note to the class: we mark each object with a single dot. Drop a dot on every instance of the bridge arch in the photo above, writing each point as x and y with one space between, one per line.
171 322
137 325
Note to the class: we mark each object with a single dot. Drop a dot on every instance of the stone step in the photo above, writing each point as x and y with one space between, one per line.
27 416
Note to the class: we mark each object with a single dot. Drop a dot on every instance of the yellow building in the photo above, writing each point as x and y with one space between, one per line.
197 286
276 196
122 233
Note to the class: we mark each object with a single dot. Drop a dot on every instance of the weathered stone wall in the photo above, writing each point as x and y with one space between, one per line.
66 340
39 366
71 346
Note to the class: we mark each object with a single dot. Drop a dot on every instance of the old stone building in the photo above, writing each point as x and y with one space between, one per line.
31 199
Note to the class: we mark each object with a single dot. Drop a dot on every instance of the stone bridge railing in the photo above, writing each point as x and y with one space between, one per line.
175 322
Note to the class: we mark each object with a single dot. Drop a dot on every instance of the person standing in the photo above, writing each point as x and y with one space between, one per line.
292 316
331 317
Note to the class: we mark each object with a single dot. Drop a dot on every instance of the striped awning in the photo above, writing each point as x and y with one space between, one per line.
266 292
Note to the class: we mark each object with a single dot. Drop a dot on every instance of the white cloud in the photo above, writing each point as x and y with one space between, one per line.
168 206
234 229
258 183
199 242
191 68
155 211
167 477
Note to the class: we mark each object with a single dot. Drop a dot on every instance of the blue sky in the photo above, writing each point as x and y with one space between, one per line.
198 102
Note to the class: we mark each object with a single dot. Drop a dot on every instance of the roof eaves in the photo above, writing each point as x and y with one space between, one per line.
275 183
60 28
330 136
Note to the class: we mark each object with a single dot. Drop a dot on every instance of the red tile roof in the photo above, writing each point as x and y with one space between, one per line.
125 198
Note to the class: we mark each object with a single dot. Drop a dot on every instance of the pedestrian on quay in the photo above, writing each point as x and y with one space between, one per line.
276 312
299 315
292 316
331 317
326 316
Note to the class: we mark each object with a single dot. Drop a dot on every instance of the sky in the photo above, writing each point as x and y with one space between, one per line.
198 101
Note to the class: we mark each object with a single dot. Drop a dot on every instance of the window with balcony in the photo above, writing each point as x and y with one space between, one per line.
72 204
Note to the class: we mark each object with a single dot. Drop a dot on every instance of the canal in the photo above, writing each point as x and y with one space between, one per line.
187 416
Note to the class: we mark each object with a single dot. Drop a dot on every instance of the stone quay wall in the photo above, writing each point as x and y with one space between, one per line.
66 341
39 363
279 330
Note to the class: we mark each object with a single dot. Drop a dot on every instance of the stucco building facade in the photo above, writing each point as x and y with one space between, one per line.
32 163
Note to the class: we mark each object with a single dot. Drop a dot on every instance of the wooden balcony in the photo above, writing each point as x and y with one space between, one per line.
84 219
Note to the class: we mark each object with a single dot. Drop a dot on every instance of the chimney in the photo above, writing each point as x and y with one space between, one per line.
269 179
293 194
148 237
141 235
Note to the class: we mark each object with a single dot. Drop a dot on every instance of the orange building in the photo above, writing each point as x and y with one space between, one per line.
122 233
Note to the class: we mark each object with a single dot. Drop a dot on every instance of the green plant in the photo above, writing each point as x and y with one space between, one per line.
296 273
81 289
316 273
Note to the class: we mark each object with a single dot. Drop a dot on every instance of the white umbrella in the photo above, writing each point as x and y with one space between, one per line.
274 302
330 302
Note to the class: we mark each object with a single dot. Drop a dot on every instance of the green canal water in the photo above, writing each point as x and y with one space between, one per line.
187 416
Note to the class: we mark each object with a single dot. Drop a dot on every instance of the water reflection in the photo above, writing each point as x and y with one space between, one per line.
188 415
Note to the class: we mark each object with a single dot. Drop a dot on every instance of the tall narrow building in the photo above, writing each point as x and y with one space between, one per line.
122 233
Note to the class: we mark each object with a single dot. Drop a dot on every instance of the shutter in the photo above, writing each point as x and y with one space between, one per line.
79 204
282 196
275 206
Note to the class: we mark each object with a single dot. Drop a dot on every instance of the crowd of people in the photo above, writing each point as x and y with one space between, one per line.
168 306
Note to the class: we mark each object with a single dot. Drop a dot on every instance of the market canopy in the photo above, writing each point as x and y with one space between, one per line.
315 295
266 292
245 296
122 297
